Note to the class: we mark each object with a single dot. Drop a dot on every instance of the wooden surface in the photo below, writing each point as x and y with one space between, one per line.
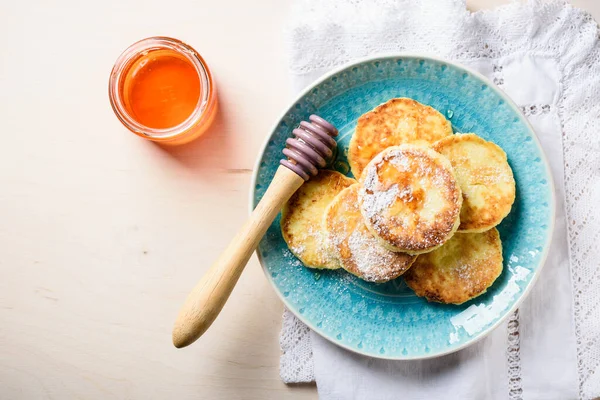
103 234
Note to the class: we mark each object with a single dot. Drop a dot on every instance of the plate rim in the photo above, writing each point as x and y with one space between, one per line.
509 101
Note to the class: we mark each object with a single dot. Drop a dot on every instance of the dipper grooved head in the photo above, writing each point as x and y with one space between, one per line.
312 146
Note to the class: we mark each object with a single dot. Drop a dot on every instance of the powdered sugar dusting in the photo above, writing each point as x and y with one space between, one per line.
321 246
298 249
291 259
376 199
358 250
374 262
469 278
398 160
376 202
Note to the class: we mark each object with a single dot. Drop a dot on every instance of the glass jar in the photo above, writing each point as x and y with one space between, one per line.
162 90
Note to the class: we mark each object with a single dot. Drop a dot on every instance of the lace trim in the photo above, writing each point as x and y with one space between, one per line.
536 109
296 364
498 79
515 386
578 110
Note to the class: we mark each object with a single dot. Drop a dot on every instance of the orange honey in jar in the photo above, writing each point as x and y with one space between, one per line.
161 89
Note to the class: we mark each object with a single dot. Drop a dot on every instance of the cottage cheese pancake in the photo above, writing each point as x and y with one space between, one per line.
395 122
460 270
410 199
302 219
485 178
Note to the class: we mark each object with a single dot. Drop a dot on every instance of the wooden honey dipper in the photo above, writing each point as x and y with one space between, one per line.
310 150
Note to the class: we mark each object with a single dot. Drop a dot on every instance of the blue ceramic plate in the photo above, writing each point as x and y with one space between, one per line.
388 320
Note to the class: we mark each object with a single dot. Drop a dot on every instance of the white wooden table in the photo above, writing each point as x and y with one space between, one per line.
103 234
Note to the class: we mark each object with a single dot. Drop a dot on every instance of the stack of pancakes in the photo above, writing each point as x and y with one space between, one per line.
424 205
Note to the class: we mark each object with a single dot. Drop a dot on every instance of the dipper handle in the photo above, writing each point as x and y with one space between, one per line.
312 146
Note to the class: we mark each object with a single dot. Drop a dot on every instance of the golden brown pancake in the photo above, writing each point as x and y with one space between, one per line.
460 270
359 252
410 199
395 122
485 178
302 219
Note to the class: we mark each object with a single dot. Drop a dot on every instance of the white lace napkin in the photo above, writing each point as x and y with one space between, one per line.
546 56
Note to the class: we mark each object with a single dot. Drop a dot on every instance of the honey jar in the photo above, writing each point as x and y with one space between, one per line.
162 90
